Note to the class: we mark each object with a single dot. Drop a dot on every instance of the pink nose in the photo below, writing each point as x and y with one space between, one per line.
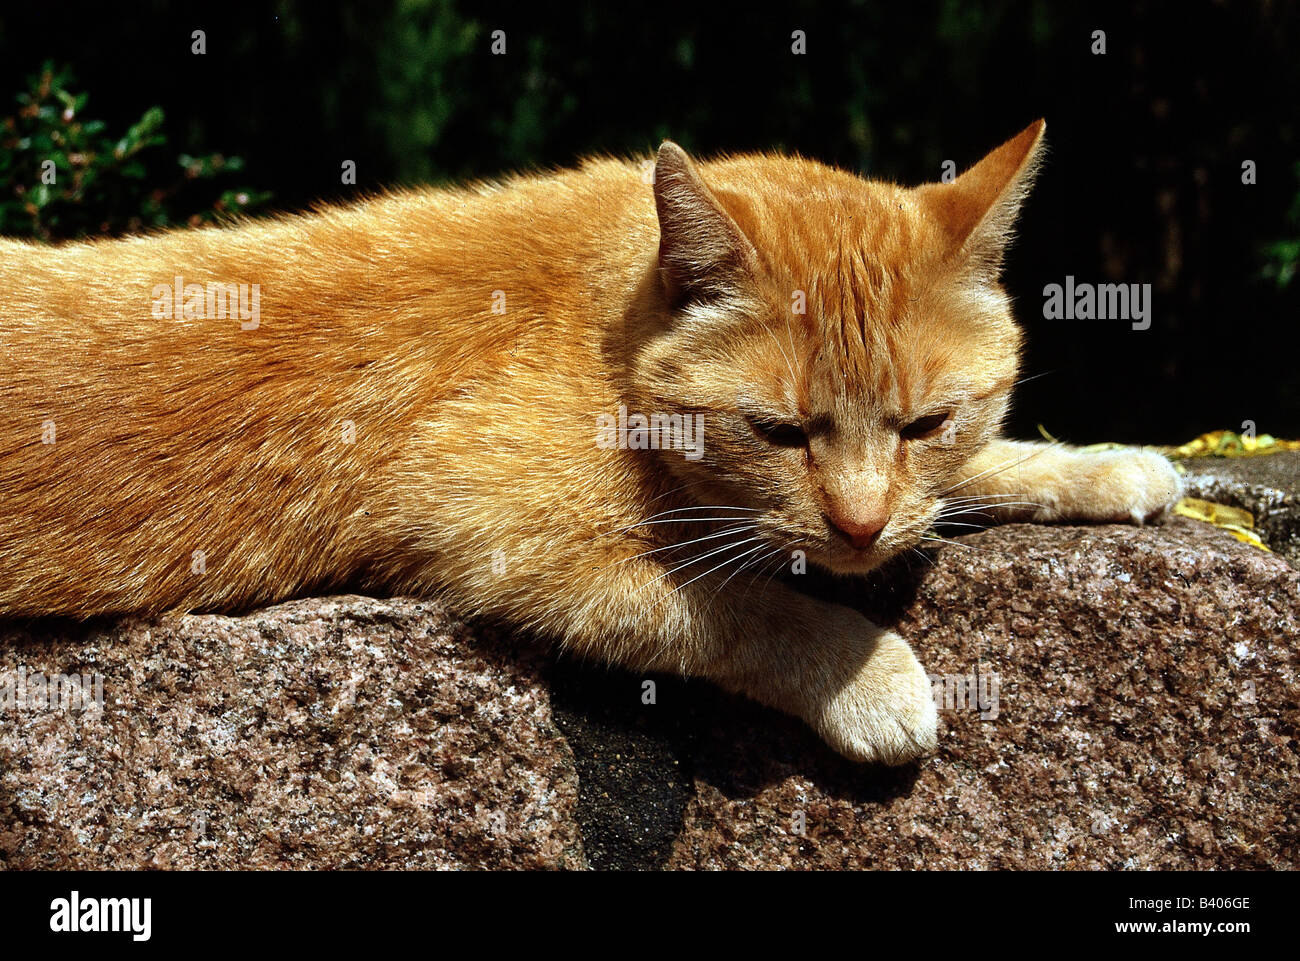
862 530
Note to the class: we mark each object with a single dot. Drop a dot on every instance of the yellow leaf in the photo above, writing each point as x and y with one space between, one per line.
1244 535
1221 515
1226 443
1237 522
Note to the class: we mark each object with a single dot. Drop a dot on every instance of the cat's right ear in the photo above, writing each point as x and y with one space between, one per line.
703 253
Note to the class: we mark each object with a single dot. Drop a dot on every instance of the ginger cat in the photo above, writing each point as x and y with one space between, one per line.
417 397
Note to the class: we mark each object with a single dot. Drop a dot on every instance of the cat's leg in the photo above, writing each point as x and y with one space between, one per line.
1039 481
859 686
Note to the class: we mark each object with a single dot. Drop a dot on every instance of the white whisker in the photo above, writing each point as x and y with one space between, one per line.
749 563
969 547
729 560
707 537
696 560
676 520
1004 466
985 508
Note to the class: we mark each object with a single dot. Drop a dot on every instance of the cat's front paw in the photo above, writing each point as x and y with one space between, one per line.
886 711
1125 486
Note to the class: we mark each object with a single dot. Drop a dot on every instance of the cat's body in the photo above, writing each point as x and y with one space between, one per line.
415 410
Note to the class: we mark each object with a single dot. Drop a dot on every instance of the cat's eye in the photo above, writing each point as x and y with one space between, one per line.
924 427
779 434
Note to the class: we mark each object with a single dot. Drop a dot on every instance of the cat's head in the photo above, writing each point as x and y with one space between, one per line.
846 341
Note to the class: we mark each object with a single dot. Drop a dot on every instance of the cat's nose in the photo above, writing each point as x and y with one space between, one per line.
859 530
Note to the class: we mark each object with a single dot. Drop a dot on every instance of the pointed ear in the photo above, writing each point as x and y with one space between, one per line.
978 209
703 253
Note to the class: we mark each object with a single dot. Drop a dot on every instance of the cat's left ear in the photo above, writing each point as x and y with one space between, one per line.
978 209
703 253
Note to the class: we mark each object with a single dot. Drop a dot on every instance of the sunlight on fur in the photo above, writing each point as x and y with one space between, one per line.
415 409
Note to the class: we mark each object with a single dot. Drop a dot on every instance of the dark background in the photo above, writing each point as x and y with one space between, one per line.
1142 185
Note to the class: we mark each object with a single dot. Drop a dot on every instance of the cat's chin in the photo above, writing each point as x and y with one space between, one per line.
852 565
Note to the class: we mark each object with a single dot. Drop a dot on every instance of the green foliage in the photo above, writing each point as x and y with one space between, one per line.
422 81
66 177
1282 257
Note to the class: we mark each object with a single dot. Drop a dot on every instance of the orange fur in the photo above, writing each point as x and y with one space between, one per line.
475 472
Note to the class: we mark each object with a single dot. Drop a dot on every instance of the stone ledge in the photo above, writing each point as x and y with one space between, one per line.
1146 718
341 732
1267 486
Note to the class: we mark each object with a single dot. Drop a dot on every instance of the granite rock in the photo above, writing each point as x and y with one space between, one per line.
1139 711
1267 486
1134 705
336 733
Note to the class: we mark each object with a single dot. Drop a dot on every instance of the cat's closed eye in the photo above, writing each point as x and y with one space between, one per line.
924 427
778 433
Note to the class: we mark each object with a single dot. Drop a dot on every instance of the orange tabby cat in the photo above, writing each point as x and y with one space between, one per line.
472 393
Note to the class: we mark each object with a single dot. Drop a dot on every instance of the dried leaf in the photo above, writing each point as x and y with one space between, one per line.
1226 443
1237 522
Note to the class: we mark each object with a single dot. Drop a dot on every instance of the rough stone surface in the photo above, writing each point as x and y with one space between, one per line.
1267 486
1146 717
335 733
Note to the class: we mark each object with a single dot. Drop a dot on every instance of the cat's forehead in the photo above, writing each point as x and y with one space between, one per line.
892 377
858 275
839 242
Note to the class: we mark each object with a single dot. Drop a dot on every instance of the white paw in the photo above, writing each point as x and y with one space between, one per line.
886 713
1131 485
